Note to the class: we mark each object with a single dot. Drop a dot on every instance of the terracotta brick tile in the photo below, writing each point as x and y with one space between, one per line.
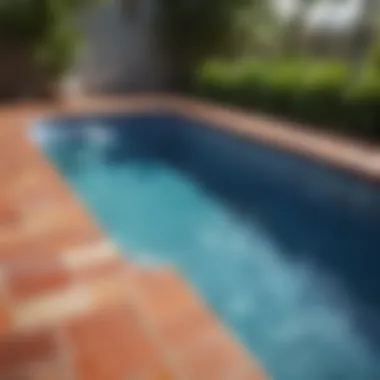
21 350
54 217
218 358
52 372
111 289
10 233
112 344
164 295
32 198
181 334
10 170
102 270
16 245
15 251
32 277
5 317
99 259
9 216
99 252
255 374
26 177
52 308
43 371
19 374
159 373
64 237
47 239
14 163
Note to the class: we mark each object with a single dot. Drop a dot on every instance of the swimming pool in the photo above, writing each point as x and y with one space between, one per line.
283 249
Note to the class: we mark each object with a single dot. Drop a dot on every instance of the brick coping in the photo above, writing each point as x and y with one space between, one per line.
359 158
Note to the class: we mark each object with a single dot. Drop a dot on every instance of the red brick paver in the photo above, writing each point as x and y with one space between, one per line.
17 350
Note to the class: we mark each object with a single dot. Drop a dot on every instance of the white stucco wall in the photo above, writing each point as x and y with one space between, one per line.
120 50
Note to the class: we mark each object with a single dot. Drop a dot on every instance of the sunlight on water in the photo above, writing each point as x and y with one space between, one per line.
295 318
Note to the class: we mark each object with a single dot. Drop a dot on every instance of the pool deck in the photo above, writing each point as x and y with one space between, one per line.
71 306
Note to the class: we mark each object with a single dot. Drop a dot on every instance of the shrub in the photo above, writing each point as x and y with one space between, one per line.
238 84
316 92
363 104
319 97
280 83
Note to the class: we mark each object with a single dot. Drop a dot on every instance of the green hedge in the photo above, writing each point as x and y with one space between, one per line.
325 93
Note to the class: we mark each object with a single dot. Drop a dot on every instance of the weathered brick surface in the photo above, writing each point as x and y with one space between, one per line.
18 350
113 344
33 277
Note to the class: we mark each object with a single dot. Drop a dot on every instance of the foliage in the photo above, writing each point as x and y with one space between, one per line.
43 26
191 31
363 100
320 92
257 30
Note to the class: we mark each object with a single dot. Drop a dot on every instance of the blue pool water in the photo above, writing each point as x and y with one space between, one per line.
284 250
